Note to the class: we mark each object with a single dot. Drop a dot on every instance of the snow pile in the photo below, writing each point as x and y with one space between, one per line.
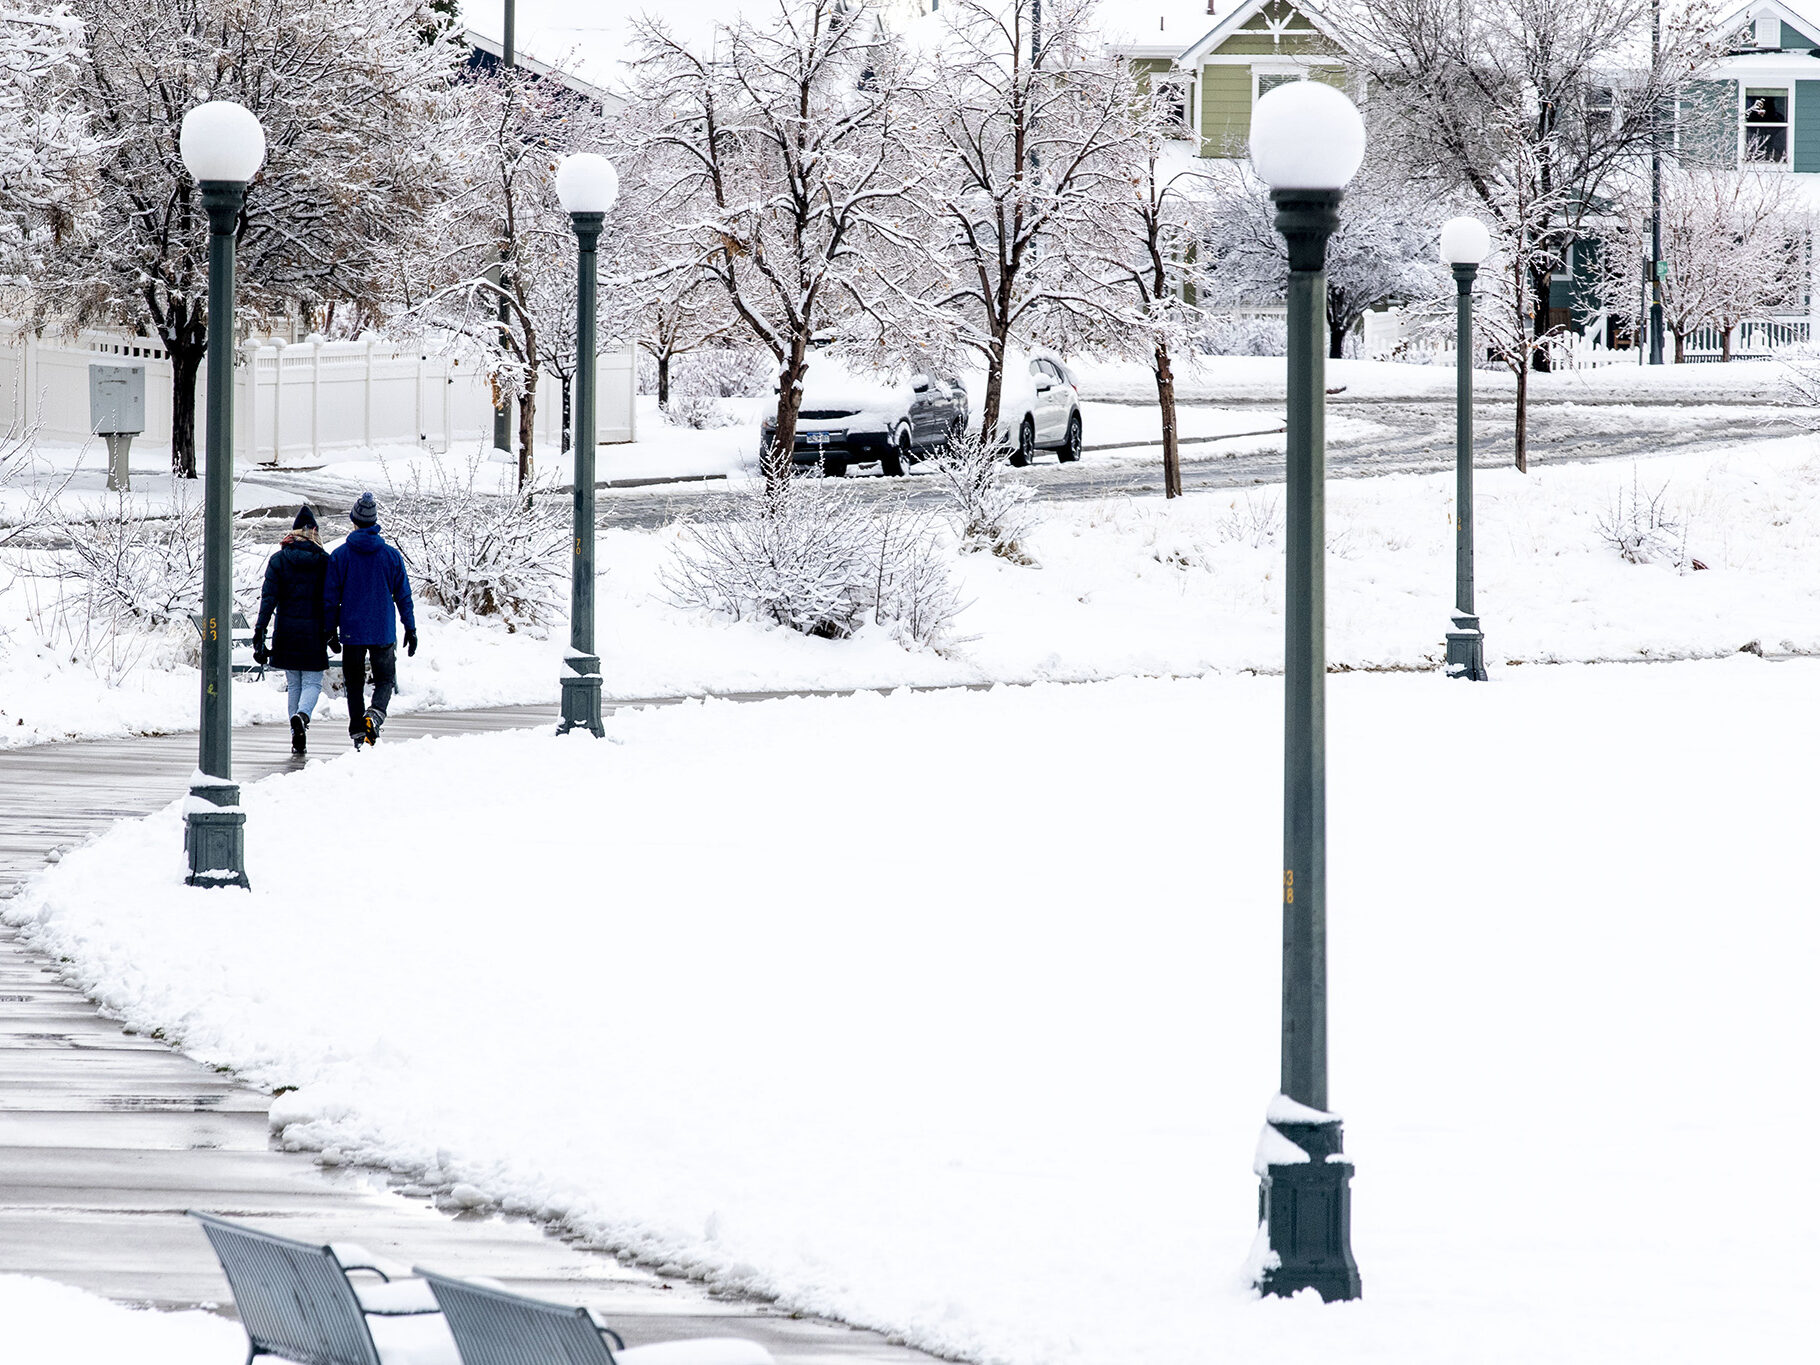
956 1014
45 1321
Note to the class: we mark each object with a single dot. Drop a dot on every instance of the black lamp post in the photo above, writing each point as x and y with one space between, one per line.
1306 142
1464 244
223 147
587 186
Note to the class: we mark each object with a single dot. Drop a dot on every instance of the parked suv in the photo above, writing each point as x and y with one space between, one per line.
1040 408
849 418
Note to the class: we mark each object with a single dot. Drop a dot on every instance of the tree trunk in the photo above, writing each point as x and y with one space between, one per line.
186 365
1542 286
568 413
995 392
1680 349
1338 324
779 460
1522 419
1725 346
1165 401
663 381
527 429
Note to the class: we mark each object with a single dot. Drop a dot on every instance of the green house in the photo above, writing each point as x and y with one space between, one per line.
1215 77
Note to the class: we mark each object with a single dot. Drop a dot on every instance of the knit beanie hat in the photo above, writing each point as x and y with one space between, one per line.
306 519
366 511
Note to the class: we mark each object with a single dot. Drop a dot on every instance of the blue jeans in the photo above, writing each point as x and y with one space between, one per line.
303 687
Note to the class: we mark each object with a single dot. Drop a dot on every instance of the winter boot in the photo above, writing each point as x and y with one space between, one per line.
373 721
300 728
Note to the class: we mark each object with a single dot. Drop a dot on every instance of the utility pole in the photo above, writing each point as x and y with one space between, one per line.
1655 191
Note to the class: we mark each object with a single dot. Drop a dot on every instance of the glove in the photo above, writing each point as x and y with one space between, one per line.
334 641
410 644
259 653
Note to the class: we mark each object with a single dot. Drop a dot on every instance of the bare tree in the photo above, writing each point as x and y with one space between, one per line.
779 172
1527 109
346 91
1735 243
1021 129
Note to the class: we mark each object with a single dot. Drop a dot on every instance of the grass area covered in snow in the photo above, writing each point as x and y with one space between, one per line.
956 1013
1119 587
45 1322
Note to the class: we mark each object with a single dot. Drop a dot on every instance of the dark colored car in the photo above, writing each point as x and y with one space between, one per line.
848 418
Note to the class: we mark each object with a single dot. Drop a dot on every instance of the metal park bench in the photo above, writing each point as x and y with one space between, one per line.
298 1303
240 643
493 1326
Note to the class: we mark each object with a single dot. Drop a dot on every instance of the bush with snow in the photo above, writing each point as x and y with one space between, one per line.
721 372
698 412
811 557
993 511
124 578
476 552
1244 334
1638 526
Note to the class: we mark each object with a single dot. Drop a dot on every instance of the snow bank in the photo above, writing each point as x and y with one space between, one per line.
43 1321
956 1014
1129 586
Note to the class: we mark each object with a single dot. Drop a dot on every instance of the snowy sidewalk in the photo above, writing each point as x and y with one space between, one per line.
106 1137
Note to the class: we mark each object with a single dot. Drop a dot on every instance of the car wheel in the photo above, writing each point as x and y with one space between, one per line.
1071 448
833 467
1026 444
896 460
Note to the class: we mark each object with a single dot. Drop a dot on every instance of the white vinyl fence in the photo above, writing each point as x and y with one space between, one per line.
301 404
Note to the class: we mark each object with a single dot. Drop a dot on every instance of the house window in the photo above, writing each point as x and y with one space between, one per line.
1599 106
1766 125
1270 80
1170 95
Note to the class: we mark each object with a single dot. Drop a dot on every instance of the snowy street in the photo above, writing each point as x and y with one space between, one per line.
1036 1062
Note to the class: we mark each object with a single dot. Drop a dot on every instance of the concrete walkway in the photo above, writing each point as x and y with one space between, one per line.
107 1137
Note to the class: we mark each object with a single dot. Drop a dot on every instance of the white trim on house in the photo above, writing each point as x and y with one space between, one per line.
1745 16
1197 54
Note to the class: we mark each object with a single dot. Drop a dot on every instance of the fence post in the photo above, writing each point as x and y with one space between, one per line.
315 398
278 400
448 408
246 407
372 342
421 434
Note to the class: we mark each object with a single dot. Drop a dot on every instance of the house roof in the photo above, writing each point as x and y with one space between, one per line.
592 39
1155 28
1238 17
1804 15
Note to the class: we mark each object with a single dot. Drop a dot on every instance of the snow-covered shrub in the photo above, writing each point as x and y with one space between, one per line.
1639 527
1244 334
25 514
993 511
1801 380
699 412
812 557
476 550
127 577
720 372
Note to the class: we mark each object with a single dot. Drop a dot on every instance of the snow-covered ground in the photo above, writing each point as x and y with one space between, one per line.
956 1013
1120 587
48 1322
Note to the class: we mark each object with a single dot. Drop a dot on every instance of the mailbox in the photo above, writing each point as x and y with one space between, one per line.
116 399
116 411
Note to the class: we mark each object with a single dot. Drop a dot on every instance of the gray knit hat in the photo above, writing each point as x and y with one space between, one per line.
365 512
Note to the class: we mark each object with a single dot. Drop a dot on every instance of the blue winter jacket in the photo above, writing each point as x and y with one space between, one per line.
366 576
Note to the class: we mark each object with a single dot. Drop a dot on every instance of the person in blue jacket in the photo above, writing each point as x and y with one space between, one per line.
366 580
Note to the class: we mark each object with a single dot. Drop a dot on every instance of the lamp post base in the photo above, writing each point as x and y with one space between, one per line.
581 696
214 835
1305 1207
1466 649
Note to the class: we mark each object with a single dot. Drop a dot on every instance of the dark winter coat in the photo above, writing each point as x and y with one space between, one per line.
293 587
366 579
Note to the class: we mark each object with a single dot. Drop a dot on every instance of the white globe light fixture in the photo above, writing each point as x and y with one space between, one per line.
222 141
1464 241
586 183
1306 136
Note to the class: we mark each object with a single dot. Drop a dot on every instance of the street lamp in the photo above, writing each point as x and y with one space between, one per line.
1464 244
223 147
587 187
1307 141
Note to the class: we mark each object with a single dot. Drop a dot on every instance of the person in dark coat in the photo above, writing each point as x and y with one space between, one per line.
293 588
366 581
